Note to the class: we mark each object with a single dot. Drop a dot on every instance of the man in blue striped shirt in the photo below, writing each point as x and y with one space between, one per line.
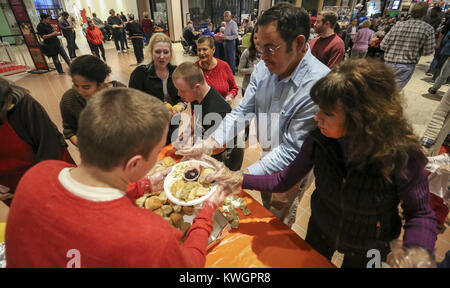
278 98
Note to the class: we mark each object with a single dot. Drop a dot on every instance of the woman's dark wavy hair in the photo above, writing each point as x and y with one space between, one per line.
375 123
292 21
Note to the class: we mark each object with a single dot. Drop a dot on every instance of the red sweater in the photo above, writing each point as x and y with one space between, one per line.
46 221
94 35
221 78
330 51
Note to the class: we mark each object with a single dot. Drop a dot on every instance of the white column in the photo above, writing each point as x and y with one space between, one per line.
175 20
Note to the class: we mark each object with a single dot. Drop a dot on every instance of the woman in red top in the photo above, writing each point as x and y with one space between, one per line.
95 37
217 73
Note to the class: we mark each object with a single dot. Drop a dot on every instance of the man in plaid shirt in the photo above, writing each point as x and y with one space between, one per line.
406 42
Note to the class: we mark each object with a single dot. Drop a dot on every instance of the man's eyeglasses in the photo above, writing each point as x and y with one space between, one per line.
268 50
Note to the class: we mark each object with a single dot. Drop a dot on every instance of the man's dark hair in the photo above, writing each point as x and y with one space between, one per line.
94 15
64 14
44 16
90 67
292 21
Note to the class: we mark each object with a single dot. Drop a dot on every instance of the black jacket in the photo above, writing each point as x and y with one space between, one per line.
144 78
134 30
356 208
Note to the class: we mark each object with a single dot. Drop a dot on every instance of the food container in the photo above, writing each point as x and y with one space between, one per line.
172 178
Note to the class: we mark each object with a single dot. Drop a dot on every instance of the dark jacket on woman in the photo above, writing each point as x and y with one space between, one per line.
356 208
144 78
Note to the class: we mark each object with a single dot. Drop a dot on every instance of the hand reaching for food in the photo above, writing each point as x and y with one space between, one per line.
157 179
219 196
224 175
202 147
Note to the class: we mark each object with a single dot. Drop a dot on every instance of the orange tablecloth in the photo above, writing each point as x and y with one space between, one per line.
261 241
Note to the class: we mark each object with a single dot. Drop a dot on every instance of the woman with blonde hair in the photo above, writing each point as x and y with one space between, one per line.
366 160
156 77
362 40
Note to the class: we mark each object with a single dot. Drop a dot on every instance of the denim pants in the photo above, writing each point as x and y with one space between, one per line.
119 37
55 58
230 53
71 45
403 73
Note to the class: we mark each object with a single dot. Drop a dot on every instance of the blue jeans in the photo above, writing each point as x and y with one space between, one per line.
230 53
403 73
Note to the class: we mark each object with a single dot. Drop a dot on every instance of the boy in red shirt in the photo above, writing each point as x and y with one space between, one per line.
66 216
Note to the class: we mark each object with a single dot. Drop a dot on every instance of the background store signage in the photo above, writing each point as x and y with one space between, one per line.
396 4
29 36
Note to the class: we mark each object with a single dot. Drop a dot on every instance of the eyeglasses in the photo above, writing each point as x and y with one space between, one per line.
268 50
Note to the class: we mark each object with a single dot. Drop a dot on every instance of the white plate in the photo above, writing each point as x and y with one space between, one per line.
170 180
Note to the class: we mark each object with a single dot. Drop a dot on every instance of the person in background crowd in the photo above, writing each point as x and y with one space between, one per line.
327 47
435 17
222 24
357 12
88 76
246 39
230 37
28 135
362 40
117 28
156 79
147 26
438 59
205 101
52 47
445 71
123 17
108 30
95 39
374 24
218 42
99 23
249 58
279 85
136 33
121 133
190 37
365 148
216 72
68 33
438 128
406 42
208 31
350 35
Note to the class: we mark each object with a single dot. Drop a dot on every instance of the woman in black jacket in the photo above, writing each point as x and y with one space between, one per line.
28 136
156 79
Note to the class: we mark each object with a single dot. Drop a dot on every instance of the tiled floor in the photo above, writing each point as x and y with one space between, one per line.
48 89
